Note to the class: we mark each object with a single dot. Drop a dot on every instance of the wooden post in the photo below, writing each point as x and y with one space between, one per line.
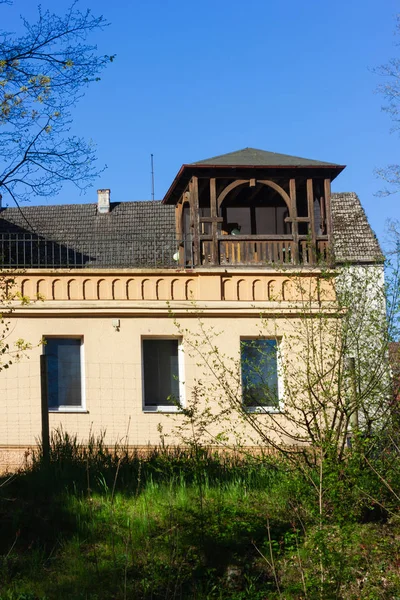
45 407
295 226
181 236
214 223
194 203
178 220
327 193
328 217
312 232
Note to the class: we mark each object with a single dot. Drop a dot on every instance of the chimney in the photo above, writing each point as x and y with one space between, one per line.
103 201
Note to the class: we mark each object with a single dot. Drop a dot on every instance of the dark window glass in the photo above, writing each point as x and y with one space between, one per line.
266 220
281 214
317 217
239 216
259 373
64 372
161 372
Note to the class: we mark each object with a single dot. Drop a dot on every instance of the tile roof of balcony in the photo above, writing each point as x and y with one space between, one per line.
249 157
246 162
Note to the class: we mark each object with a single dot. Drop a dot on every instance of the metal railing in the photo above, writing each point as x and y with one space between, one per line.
25 251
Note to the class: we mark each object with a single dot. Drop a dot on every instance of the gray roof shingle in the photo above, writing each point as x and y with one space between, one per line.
79 220
245 161
354 240
253 157
137 234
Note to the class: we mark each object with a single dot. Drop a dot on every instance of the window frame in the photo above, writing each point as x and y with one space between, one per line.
164 408
265 409
63 408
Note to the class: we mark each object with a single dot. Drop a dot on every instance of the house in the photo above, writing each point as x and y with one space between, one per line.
103 279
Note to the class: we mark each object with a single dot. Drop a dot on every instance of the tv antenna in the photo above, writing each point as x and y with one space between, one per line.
152 177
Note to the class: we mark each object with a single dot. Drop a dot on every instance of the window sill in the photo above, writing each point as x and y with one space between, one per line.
263 409
161 409
69 410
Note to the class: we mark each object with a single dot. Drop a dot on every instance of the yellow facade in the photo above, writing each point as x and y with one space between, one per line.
112 311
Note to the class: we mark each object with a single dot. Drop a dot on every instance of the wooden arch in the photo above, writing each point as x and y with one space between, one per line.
267 182
229 188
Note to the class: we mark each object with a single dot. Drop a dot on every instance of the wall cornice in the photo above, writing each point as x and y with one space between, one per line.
89 287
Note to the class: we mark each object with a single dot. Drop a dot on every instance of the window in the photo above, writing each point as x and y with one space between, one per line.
162 363
260 381
64 373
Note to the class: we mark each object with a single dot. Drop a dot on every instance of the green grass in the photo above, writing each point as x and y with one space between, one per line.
100 524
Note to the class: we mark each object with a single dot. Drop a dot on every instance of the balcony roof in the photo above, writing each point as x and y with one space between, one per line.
252 157
243 163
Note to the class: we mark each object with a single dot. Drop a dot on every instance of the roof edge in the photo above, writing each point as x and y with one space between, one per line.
193 166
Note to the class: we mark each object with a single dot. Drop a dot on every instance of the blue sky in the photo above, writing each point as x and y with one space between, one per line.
196 79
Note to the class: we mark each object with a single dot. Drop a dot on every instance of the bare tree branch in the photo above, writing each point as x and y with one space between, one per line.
43 74
390 90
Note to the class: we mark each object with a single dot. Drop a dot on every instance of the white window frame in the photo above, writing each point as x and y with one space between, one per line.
71 409
181 384
266 409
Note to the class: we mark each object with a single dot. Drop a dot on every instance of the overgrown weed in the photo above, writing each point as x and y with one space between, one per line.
96 522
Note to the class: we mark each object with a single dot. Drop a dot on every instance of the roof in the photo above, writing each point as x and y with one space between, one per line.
353 238
74 221
142 234
249 157
245 162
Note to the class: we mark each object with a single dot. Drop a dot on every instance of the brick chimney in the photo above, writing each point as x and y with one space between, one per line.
103 201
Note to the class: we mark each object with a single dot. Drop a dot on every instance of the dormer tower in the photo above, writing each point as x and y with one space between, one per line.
253 207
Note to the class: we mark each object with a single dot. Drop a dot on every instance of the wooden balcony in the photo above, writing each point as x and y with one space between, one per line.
261 250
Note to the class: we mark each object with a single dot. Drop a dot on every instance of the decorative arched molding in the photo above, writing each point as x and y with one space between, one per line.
287 290
258 290
88 290
144 287
131 290
161 290
228 290
26 288
41 288
73 290
57 289
190 291
272 290
242 290
148 290
118 292
103 290
174 289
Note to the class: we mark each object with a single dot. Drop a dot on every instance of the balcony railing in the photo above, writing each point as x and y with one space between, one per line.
25 251
262 250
